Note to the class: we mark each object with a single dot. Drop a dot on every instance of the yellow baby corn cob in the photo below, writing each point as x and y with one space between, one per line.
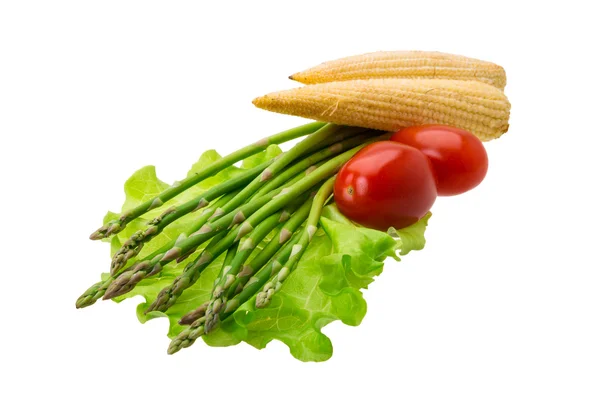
405 64
390 104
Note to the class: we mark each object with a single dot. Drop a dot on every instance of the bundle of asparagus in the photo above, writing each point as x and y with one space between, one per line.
258 202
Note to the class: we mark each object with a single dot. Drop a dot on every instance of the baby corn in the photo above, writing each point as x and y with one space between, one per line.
405 64
391 104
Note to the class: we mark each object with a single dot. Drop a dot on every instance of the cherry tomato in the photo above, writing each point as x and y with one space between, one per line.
385 184
458 157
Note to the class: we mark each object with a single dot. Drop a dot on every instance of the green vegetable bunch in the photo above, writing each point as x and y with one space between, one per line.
250 253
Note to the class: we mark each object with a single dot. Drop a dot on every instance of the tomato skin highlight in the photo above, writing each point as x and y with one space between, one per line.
386 184
458 157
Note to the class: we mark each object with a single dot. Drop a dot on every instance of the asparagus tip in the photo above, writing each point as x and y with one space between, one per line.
151 307
160 301
96 236
110 293
101 232
174 347
123 284
261 300
211 322
83 301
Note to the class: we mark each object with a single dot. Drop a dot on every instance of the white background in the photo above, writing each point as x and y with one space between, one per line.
504 301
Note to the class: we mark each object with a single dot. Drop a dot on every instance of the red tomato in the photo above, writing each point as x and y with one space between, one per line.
386 184
458 157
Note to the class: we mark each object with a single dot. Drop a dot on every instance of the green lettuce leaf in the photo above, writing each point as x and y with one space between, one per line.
341 261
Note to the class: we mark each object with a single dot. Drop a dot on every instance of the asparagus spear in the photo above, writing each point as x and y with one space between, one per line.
136 242
260 278
248 270
264 296
284 234
127 280
93 293
325 171
311 162
231 253
284 159
118 224
97 290
266 205
282 265
345 133
193 315
122 284
199 312
189 335
169 295
228 273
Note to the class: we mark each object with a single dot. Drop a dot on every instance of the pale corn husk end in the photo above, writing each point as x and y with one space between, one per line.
391 104
404 64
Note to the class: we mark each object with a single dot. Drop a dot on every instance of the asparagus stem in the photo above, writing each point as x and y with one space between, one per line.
229 271
229 257
189 335
344 133
261 277
281 238
290 193
129 279
263 298
248 270
329 168
136 242
180 249
98 290
301 148
118 224
311 162
169 295
199 312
